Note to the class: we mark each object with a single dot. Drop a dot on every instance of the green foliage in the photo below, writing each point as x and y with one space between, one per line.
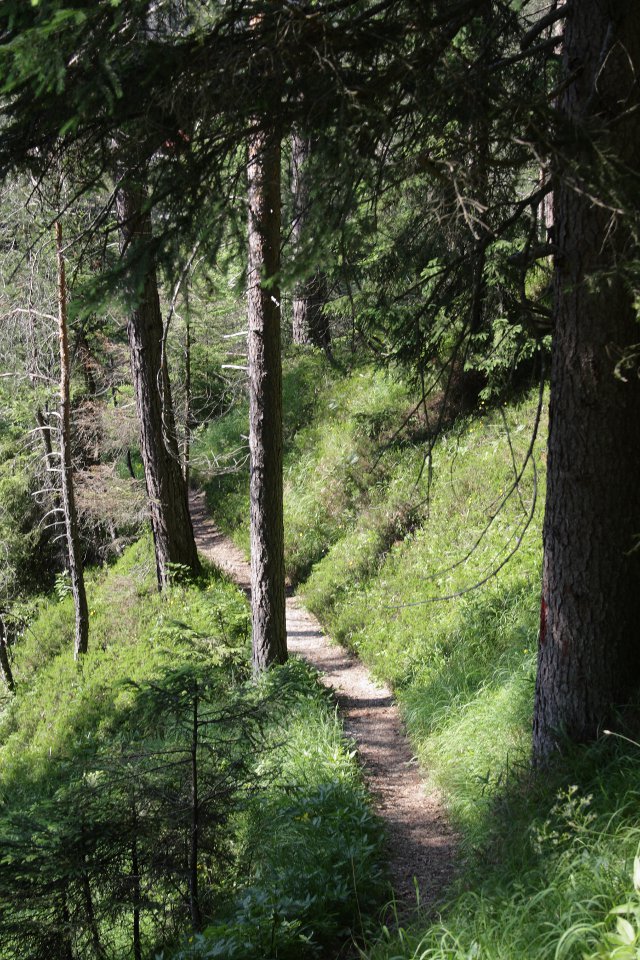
387 536
25 541
459 666
97 778
623 942
553 872
311 848
546 860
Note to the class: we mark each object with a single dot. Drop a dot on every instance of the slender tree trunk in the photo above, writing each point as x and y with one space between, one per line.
186 444
589 656
44 426
135 878
129 462
167 492
310 324
66 926
265 404
194 899
546 211
5 663
90 914
68 498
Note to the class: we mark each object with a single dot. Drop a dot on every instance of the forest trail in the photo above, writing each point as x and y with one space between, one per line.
422 844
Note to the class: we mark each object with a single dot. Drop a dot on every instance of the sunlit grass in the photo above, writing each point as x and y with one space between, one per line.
381 542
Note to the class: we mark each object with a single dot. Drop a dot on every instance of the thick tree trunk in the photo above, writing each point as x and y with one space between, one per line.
68 498
166 487
589 656
265 406
310 324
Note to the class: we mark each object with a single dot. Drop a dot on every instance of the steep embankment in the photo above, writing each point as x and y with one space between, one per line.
381 528
381 531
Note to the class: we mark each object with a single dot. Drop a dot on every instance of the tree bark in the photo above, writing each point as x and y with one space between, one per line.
44 427
68 498
5 663
265 404
186 443
589 657
310 324
194 838
166 488
136 891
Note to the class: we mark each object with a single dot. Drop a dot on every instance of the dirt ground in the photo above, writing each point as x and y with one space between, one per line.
422 845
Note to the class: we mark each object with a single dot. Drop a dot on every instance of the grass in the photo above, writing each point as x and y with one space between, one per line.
389 550
290 858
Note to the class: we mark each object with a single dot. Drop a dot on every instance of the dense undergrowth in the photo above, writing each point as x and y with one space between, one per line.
390 545
108 769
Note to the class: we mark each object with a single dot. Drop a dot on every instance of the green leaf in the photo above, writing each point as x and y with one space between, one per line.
636 874
628 907
625 930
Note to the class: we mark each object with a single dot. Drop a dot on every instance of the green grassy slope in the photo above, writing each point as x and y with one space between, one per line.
290 852
380 537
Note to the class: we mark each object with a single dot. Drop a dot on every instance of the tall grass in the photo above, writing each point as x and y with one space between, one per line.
403 559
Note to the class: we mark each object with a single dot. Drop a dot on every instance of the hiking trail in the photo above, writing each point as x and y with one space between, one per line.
421 843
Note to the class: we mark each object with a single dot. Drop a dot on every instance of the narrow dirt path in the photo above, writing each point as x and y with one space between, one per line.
422 846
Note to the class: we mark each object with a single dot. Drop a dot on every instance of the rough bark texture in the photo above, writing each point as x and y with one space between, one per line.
589 655
166 487
68 498
310 325
265 405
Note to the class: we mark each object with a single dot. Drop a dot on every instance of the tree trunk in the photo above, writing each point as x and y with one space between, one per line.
265 404
90 915
166 489
589 657
136 893
310 325
68 497
66 926
194 838
5 663
186 443
44 427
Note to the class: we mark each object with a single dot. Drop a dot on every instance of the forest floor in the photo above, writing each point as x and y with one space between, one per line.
422 844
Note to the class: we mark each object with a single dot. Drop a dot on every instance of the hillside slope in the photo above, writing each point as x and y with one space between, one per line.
152 797
426 561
